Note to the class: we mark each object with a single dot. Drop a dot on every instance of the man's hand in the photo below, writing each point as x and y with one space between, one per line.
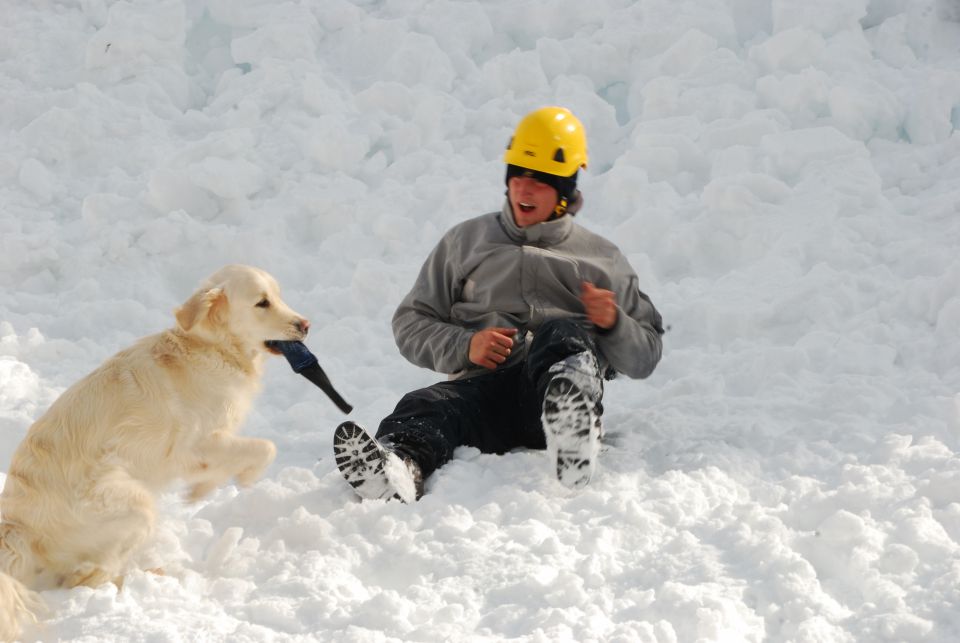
600 304
490 347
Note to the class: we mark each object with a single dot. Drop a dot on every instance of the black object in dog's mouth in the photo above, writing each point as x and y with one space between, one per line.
305 363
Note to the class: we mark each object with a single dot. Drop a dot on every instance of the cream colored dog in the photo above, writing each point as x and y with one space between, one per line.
79 495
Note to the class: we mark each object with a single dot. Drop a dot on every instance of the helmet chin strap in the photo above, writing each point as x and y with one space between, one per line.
559 210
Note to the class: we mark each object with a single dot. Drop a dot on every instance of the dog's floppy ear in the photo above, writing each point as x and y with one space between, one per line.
201 306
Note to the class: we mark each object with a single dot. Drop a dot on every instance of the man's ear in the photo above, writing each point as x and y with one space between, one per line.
201 306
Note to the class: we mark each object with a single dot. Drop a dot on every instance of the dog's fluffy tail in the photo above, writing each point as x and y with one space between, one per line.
18 605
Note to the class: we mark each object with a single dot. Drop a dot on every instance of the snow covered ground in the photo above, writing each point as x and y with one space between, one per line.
784 176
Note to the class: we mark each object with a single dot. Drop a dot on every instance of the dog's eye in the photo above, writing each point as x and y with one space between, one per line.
263 303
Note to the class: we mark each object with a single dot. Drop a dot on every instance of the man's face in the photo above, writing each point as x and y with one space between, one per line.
532 201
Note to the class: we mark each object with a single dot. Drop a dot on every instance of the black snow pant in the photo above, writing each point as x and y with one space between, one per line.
494 412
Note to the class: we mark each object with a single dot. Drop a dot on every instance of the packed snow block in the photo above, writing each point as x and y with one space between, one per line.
656 98
305 363
932 107
878 11
322 94
171 190
866 109
337 144
682 57
138 35
286 41
751 18
99 210
675 159
514 73
419 61
827 17
891 42
165 235
227 178
948 320
949 10
790 152
142 49
801 97
790 50
248 15
745 191
37 179
59 134
21 388
748 131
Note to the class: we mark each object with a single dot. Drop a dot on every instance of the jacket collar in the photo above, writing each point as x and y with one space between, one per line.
547 233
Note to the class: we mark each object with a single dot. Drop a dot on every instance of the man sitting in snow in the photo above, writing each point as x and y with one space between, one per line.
528 311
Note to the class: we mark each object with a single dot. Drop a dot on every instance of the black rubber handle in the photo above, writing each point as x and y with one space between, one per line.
305 363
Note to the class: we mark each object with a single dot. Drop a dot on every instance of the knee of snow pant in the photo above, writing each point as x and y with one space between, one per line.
554 341
429 423
570 343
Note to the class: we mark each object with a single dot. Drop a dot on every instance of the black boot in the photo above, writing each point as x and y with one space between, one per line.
375 469
571 418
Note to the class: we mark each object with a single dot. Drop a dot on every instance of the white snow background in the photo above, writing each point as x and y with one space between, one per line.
784 176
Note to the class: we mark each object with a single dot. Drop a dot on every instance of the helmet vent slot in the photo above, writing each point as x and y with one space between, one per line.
559 157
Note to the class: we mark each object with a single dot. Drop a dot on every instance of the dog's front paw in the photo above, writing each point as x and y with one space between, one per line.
262 454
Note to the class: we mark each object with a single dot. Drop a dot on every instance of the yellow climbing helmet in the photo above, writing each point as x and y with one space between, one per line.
549 140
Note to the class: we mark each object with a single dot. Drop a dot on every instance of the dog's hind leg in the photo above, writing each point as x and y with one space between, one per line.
119 518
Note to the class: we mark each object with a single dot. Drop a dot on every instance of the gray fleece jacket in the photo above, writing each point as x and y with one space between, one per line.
487 272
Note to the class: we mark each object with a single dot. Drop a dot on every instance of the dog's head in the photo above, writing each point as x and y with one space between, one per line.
244 304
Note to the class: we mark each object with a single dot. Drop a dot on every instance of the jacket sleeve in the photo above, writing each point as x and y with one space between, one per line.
422 326
634 345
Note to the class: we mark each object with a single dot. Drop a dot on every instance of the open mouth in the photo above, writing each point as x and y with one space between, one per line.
526 207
